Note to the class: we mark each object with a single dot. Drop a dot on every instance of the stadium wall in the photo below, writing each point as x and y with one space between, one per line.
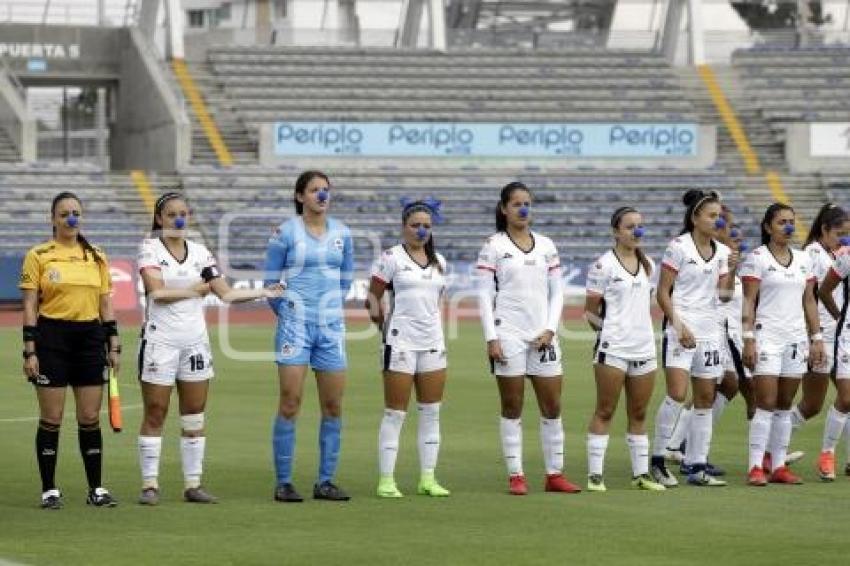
818 147
15 119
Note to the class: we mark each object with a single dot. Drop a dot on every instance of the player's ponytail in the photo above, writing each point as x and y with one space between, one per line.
504 198
769 215
616 219
87 247
694 200
829 217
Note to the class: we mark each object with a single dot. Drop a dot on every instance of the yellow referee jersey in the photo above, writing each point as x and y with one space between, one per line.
68 281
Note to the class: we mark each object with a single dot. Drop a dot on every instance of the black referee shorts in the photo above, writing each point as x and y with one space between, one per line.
70 353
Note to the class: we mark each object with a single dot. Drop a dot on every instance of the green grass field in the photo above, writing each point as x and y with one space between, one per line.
478 524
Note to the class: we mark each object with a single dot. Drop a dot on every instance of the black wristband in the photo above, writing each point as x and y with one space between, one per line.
30 333
110 327
210 273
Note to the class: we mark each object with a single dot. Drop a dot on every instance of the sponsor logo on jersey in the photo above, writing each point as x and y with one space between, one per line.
163 263
692 261
286 350
338 244
54 276
508 255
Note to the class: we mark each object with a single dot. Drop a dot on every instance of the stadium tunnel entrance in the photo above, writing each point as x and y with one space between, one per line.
104 91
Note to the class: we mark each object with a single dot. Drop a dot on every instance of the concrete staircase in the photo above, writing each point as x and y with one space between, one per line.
8 151
805 191
241 143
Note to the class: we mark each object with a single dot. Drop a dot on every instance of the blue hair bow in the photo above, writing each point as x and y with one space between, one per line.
432 204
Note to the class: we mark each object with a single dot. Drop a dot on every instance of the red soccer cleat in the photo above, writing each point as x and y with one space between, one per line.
783 474
558 483
826 466
518 485
756 477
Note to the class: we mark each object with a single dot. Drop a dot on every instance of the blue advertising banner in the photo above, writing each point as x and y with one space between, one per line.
468 139
10 272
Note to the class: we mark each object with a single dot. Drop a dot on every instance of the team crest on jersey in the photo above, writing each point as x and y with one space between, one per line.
338 243
163 263
54 276
508 255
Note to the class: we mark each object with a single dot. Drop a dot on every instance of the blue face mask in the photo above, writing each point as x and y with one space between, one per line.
523 211
743 247
180 222
844 240
720 223
323 195
422 233
71 221
734 233
639 232
788 229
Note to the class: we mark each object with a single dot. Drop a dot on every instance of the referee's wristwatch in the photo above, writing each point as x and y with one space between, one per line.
28 355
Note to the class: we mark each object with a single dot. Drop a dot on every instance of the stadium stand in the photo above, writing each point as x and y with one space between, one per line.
8 151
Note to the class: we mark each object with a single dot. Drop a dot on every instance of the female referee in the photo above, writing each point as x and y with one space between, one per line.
696 267
174 348
70 335
413 346
520 301
617 306
313 255
779 308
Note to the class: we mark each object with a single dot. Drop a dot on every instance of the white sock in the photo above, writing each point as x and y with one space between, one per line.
388 435
150 448
699 437
597 444
680 431
511 432
192 454
639 453
720 402
759 434
429 436
780 438
665 421
832 430
797 418
552 439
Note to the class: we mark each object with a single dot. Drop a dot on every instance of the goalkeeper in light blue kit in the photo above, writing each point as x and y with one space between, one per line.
312 256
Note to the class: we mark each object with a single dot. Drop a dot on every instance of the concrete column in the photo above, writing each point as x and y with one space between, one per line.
437 12
696 47
148 12
409 22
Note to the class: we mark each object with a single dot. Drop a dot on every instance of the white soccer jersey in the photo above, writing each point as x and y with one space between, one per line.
822 261
779 315
627 323
414 320
180 323
731 311
696 286
522 283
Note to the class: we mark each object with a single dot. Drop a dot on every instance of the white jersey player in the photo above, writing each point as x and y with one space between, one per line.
829 228
174 347
619 291
777 334
694 269
520 302
833 295
413 349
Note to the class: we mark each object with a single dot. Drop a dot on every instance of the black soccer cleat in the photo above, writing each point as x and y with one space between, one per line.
99 497
285 493
329 492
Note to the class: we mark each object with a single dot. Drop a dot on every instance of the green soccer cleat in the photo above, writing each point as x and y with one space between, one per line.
428 486
646 483
596 483
388 489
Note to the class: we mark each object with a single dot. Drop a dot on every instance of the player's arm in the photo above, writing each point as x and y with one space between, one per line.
555 307
346 270
156 290
374 305
30 334
748 317
664 296
110 327
825 290
810 308
274 264
222 289
593 310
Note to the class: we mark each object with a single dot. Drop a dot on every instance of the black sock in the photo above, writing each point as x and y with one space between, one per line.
46 450
91 448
